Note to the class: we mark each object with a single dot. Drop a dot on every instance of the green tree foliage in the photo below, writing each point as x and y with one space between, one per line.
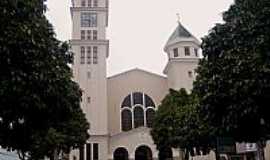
233 81
40 111
177 125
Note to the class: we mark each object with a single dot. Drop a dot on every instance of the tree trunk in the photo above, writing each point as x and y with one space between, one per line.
55 155
217 155
186 154
260 151
181 154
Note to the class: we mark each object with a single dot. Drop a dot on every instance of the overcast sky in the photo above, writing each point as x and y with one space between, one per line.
138 29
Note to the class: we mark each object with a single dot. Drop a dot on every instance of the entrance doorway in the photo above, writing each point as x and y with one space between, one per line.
165 154
143 153
120 154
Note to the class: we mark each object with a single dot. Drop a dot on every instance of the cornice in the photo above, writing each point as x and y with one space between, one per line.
89 42
94 9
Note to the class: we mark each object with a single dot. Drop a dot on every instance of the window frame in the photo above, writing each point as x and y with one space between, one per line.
89 34
95 34
89 3
187 51
83 3
139 119
131 121
88 99
89 54
132 106
196 52
147 116
95 54
175 52
95 3
82 55
82 34
88 19
89 75
190 74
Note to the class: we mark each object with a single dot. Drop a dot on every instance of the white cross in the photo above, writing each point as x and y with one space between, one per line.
178 17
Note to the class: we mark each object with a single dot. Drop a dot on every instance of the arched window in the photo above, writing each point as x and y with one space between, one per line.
126 120
149 102
137 108
150 114
138 117
127 102
138 98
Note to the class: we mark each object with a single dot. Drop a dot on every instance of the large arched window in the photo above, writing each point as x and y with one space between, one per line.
126 120
137 110
138 117
150 114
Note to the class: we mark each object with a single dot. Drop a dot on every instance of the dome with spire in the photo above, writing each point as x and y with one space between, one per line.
180 34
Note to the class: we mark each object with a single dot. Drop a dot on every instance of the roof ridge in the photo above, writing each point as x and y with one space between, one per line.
135 69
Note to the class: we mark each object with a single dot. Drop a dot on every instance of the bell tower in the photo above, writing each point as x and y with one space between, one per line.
91 49
182 50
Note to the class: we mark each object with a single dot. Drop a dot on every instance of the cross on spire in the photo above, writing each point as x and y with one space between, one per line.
178 17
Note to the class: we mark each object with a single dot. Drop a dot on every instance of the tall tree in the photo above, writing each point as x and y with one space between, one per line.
233 81
177 125
40 111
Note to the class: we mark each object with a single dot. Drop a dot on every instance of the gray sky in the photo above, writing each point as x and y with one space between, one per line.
138 29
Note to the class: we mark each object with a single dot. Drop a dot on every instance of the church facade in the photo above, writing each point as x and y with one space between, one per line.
120 108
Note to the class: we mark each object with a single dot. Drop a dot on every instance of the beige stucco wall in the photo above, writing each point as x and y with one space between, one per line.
178 76
95 86
122 85
267 151
178 67
132 140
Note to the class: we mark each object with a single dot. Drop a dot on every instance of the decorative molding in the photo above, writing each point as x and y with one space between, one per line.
93 9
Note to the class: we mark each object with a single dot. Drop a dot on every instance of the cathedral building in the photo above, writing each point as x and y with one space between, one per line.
120 108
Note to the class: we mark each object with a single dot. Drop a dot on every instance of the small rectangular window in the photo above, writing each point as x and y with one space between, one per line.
175 52
89 33
89 55
82 34
95 55
187 51
95 3
88 75
95 151
196 52
82 55
94 34
190 75
88 151
83 3
88 19
89 3
88 99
